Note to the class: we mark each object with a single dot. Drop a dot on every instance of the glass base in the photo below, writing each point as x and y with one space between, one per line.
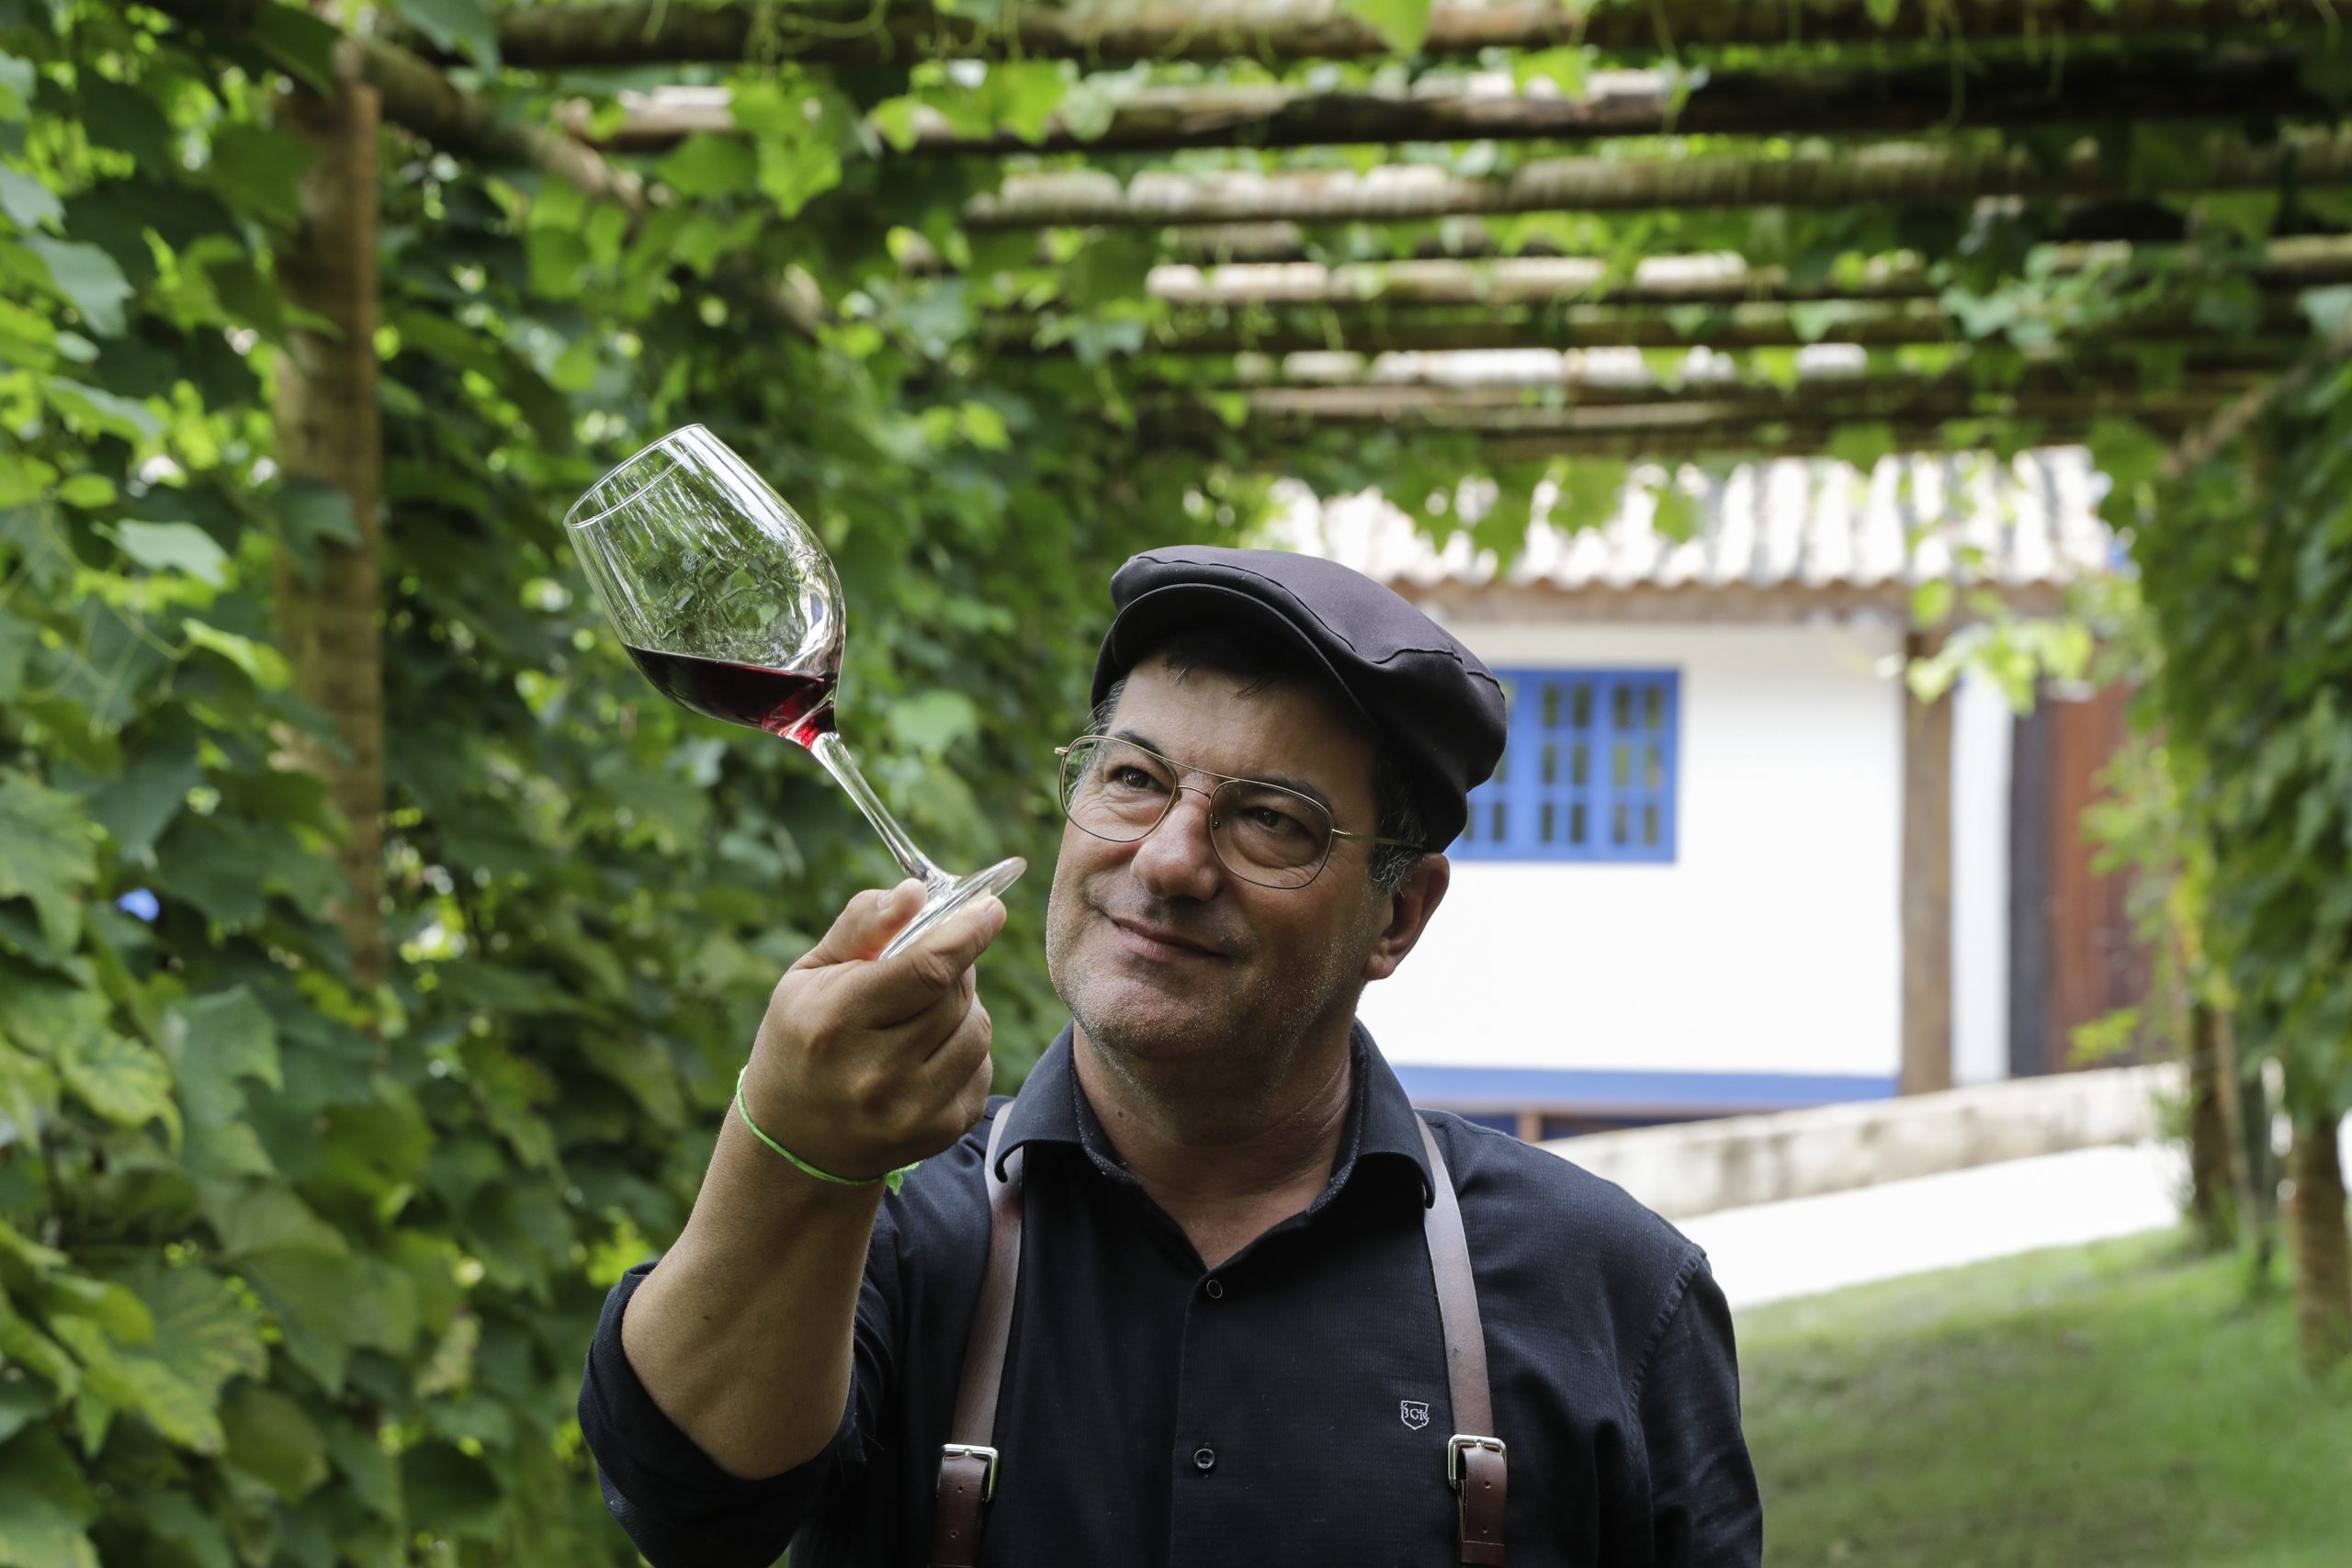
951 897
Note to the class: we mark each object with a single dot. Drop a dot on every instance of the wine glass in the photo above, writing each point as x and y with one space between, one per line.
728 604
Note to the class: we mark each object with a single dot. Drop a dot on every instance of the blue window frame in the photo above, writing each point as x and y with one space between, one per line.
1589 770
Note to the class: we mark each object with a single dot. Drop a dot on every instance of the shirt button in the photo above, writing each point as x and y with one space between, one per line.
1204 1460
1216 1288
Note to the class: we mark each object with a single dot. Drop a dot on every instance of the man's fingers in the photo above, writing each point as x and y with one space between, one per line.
866 925
937 963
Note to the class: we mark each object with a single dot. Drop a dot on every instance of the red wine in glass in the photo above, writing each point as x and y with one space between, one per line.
796 706
727 603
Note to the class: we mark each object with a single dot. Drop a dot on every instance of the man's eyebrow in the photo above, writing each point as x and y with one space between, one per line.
1286 780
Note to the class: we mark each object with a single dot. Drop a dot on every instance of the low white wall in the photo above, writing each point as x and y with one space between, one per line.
1701 1167
1773 944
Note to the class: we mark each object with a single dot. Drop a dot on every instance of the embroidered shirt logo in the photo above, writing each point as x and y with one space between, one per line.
1414 1413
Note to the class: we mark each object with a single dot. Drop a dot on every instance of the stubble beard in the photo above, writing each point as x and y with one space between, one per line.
1183 1048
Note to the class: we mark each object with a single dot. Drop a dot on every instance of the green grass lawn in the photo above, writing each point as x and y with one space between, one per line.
2122 1404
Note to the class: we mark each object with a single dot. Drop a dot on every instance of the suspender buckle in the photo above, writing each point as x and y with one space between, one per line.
1453 1447
986 1455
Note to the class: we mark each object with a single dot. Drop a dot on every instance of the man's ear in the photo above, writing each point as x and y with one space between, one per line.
1409 909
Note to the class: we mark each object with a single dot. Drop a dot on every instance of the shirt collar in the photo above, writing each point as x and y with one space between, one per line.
1382 1127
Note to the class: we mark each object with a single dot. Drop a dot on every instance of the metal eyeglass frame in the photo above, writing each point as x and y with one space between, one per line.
1333 832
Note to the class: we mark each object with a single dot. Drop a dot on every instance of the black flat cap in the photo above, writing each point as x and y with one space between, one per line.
1438 707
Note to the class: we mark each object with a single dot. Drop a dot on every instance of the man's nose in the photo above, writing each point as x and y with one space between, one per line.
1176 859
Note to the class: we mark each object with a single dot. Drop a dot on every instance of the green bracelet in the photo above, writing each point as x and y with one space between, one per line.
892 1180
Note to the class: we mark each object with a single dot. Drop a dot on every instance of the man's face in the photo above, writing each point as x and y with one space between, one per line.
1168 961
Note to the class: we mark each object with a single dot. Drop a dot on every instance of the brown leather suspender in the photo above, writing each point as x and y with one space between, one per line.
967 1461
1474 1462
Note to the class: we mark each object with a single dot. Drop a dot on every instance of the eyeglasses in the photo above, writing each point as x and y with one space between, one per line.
1263 833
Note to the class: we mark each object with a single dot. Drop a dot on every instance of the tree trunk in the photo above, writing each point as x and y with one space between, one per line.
1904 175
2323 1254
1804 100
1121 32
328 431
2213 1191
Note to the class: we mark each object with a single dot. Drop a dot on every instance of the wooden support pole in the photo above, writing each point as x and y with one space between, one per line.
329 432
1905 175
1121 32
1926 1063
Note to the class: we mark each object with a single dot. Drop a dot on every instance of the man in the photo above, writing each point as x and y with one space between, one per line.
1235 1324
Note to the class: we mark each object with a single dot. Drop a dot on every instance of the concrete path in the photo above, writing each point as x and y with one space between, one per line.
1805 1246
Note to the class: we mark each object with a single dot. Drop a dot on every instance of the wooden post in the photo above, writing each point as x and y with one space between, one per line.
328 431
1927 884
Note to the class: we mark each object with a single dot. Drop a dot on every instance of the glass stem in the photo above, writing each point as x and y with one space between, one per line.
834 753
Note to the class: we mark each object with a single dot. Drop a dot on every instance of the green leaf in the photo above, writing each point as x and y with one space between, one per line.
1863 445
120 1079
253 1218
274 1441
45 854
1403 23
88 278
175 546
705 165
896 121
204 1331
29 203
1931 602
17 78
22 1403
143 1386
2125 451
264 665
44 1504
259 170
451 1494
1564 68
1677 515
934 721
463 25
328 1306
137 806
100 413
2325 308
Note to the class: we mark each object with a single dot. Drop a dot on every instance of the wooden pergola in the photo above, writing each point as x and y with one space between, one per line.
1279 260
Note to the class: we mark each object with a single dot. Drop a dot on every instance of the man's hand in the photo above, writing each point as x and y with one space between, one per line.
865 1063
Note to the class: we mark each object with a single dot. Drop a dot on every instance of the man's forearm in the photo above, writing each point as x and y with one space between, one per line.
742 1333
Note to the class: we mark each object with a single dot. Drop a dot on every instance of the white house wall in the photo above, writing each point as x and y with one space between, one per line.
1769 946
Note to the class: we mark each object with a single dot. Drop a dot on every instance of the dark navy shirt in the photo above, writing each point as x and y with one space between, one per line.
1288 1406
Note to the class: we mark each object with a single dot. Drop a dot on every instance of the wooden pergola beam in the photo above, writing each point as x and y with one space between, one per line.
1289 407
1121 32
1900 176
1589 326
1479 379
1799 100
1456 238
2303 262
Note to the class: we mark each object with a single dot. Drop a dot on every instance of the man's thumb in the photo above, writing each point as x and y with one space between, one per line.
867 924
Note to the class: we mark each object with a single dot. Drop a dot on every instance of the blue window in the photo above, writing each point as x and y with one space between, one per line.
1587 773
